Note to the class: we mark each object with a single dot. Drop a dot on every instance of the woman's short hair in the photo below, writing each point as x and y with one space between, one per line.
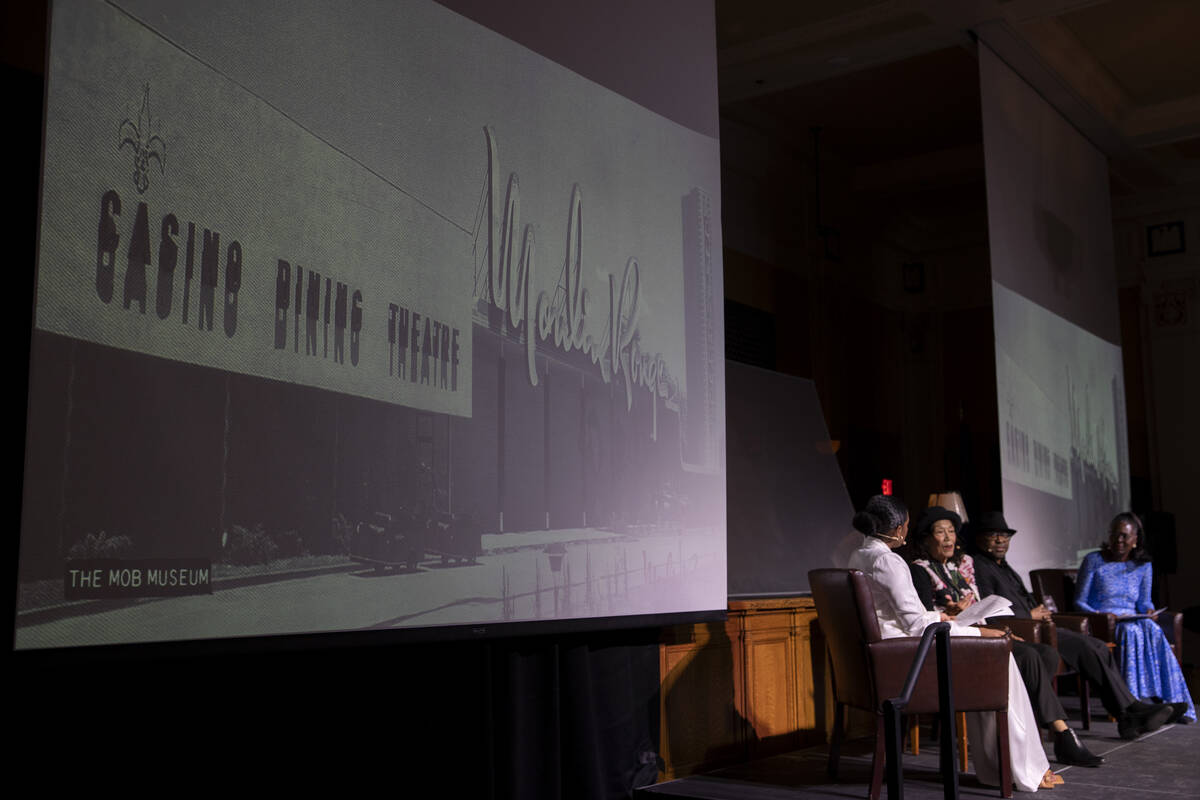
1138 554
882 513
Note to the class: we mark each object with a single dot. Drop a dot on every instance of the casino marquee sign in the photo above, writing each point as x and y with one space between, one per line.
190 220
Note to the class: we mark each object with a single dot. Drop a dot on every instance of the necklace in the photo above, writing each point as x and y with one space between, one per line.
953 583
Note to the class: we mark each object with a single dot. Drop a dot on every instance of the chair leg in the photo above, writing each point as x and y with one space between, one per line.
962 742
1085 701
835 741
1006 777
914 733
878 760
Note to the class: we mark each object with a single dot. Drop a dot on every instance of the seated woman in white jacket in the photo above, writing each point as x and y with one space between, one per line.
884 525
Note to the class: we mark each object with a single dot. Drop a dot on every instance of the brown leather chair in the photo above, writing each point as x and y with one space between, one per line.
868 669
1031 630
1059 584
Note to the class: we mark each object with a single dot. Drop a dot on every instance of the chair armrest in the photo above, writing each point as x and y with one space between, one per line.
1103 626
1073 622
1171 623
1050 632
1032 630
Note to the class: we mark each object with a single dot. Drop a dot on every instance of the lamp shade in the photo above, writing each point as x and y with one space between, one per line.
951 501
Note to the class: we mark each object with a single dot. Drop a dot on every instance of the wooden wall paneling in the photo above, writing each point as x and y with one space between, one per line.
753 686
701 729
771 695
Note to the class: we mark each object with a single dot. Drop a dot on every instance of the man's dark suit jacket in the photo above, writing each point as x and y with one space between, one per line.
999 578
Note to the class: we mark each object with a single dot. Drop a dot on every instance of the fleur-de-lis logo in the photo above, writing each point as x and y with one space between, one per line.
145 144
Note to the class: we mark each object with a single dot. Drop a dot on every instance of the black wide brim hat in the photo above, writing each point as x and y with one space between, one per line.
932 515
990 522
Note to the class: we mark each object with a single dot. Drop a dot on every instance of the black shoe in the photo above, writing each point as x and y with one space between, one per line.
1069 750
1177 712
1143 718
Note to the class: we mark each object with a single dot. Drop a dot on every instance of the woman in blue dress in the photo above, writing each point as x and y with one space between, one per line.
1116 580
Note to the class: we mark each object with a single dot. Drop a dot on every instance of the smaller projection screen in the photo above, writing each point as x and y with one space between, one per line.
1061 394
361 316
789 510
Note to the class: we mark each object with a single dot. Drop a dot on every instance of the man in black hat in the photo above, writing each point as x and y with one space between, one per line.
943 579
991 536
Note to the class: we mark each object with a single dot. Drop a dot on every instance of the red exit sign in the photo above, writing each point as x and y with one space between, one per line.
887 486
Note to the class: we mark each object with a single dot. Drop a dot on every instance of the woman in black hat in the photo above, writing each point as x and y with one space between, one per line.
943 574
884 525
945 580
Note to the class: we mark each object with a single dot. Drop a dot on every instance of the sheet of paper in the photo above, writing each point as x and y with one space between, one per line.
1130 617
993 606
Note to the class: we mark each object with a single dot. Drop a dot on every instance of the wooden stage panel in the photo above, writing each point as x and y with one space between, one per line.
752 686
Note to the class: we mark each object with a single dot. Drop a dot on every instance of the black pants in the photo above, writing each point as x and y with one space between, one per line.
1094 660
1038 663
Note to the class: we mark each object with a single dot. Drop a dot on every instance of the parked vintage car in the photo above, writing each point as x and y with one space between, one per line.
456 538
387 541
401 541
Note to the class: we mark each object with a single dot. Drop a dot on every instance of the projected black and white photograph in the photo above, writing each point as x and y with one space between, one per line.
1062 425
361 321
1060 390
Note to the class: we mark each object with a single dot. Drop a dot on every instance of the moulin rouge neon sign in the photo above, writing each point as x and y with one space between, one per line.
510 270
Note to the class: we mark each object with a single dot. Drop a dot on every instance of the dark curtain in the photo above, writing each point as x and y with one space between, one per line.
575 717
572 716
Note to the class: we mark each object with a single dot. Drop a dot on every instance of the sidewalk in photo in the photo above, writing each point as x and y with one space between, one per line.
523 540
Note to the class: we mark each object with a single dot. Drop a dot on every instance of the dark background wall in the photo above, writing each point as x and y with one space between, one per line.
868 251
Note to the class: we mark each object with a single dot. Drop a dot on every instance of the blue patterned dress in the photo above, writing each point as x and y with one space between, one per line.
1123 587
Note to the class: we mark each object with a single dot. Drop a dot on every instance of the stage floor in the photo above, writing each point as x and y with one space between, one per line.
1163 765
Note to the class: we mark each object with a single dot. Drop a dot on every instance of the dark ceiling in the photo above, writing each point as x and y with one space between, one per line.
895 79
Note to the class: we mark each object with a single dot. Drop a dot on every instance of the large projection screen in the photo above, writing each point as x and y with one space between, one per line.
325 341
1061 395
